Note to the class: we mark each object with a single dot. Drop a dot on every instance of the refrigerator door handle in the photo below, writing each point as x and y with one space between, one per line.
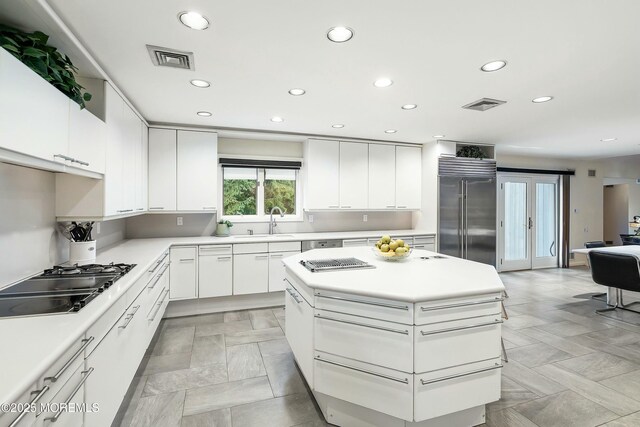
461 220
466 219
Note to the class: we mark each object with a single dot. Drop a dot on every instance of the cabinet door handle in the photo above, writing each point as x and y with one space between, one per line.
56 377
364 371
460 328
158 305
294 296
450 377
224 258
63 157
391 206
155 207
73 393
208 207
139 209
402 207
345 207
379 304
39 394
129 317
462 304
158 263
262 256
80 162
158 277
277 255
334 206
187 259
125 210
364 325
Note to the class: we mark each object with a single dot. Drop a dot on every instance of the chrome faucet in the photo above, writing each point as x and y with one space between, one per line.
272 222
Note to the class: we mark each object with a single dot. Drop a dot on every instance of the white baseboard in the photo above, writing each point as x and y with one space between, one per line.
192 307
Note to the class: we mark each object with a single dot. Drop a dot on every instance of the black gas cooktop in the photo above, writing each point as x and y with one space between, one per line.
61 289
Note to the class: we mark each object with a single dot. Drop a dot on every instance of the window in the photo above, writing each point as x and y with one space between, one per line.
251 193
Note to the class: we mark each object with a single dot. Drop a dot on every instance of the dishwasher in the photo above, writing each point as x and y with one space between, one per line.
307 245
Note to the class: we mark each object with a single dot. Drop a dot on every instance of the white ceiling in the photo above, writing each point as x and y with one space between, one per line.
585 53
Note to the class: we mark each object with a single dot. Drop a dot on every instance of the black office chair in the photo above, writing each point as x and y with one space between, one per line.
619 271
591 245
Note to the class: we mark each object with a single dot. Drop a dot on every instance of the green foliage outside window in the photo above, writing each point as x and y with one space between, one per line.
281 193
240 196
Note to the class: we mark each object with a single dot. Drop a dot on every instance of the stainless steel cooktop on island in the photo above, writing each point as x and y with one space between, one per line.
408 343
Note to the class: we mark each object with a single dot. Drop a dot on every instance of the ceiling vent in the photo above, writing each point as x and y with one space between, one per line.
483 104
591 173
165 57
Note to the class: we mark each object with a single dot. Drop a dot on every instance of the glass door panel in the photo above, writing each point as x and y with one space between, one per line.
514 224
546 224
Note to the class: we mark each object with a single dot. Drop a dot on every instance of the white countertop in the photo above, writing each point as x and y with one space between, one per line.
629 249
32 344
410 280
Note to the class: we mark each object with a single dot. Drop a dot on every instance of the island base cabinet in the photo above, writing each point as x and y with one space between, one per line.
250 273
456 389
447 344
277 270
299 330
374 387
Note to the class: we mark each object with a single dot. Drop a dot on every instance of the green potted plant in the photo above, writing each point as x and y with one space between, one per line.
52 65
471 151
222 229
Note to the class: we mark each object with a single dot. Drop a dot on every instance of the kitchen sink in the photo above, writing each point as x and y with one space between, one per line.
253 236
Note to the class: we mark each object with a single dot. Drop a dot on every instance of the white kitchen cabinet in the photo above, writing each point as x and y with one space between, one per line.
299 329
87 139
71 393
184 272
408 177
322 174
354 171
197 171
350 243
114 172
132 161
277 271
142 193
250 273
162 169
215 271
382 176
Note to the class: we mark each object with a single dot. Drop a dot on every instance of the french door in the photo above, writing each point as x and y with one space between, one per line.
527 222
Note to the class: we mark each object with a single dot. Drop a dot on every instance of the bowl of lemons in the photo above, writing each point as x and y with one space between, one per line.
391 250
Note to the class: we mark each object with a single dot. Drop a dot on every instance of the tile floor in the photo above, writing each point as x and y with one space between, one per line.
567 365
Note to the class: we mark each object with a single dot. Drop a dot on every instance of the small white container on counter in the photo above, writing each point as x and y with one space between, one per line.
82 252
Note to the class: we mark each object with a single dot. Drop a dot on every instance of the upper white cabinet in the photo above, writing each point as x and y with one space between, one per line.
183 174
322 174
354 171
361 176
382 176
197 171
408 177
162 169
87 139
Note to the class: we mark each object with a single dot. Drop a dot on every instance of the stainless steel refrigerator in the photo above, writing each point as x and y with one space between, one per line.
467 209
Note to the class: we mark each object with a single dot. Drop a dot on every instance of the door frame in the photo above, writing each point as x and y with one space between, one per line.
531 262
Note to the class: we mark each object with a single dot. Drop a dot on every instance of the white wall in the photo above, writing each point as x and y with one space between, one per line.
255 147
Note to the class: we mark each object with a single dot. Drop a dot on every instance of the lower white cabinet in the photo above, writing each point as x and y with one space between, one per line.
250 273
71 393
277 270
215 271
184 268
299 330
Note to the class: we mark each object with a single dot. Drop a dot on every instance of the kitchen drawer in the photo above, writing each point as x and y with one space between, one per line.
456 389
424 240
71 393
374 387
350 243
34 395
285 247
387 344
304 291
157 310
100 328
213 250
446 344
456 309
61 371
391 311
299 331
250 248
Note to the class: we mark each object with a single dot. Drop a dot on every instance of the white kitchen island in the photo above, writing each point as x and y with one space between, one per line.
409 343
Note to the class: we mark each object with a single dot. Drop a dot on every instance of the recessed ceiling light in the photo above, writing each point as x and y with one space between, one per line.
542 99
608 139
200 83
204 114
340 34
409 106
277 119
390 131
493 66
438 136
337 126
297 92
194 20
383 82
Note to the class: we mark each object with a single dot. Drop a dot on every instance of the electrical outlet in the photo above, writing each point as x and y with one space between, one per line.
310 218
179 220
97 228
365 218
586 229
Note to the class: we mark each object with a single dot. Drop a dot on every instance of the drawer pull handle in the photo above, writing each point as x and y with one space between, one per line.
158 305
208 207
73 393
262 256
39 394
56 377
364 325
158 263
294 296
460 328
153 208
451 377
364 371
379 304
158 277
277 255
129 317
462 304
224 258
391 206
187 259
